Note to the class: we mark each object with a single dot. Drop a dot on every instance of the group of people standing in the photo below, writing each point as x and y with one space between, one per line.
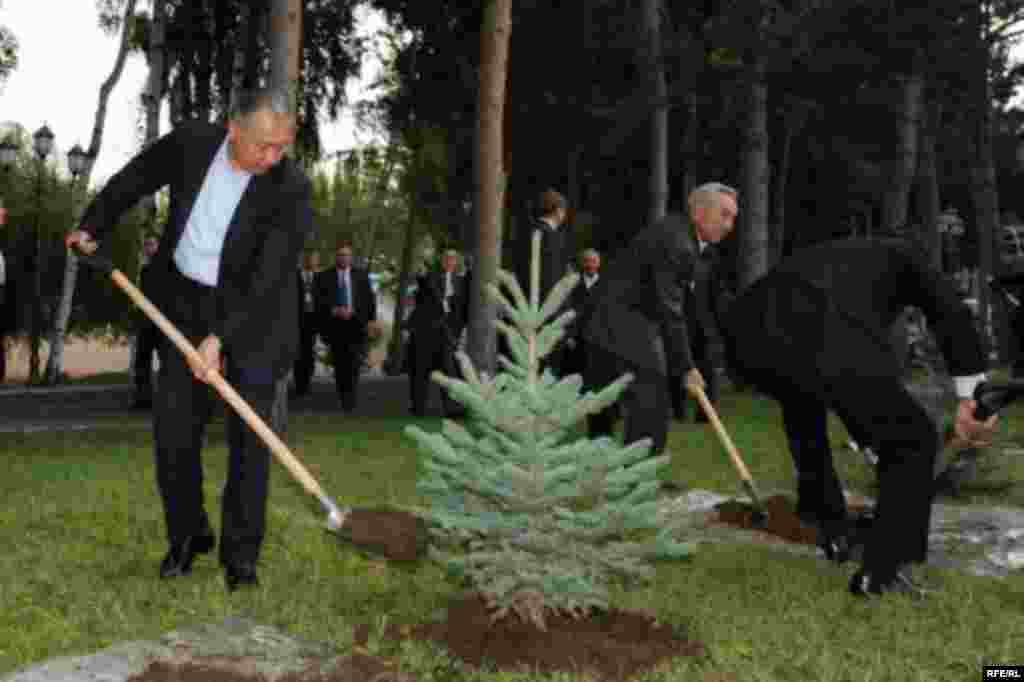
811 334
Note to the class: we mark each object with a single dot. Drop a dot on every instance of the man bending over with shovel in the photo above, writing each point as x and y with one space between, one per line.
811 333
224 275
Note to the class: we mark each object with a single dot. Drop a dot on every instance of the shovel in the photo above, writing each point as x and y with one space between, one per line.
759 514
393 533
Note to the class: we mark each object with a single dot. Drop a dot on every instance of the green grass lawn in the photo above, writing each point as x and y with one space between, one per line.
82 535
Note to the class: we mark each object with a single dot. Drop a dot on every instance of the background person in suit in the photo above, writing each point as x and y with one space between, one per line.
436 324
224 275
147 334
305 361
812 334
345 305
573 358
636 321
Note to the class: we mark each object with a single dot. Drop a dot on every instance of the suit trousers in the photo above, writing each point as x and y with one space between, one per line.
182 410
700 350
347 340
645 401
431 350
305 361
146 342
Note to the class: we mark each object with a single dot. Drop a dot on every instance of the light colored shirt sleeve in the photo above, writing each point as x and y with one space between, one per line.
965 385
3 270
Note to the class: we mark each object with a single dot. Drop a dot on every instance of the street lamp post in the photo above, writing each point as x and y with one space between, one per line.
42 143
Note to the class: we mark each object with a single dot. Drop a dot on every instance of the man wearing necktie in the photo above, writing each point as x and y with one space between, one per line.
573 359
305 362
436 324
345 304
238 217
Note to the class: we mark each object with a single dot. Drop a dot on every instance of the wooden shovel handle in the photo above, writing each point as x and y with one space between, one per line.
276 445
723 436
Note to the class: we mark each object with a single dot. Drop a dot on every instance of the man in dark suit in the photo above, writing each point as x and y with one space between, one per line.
224 276
436 324
812 334
573 357
147 334
305 362
346 305
636 319
702 297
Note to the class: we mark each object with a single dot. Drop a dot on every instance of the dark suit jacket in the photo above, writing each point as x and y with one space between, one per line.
364 303
255 318
428 316
300 291
637 311
577 302
824 314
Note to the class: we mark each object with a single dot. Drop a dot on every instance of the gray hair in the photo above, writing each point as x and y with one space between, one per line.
449 252
247 102
708 193
589 252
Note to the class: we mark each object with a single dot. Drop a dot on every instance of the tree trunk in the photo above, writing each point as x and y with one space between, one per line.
658 189
186 62
204 63
692 146
258 30
983 175
226 36
55 363
895 206
285 37
754 235
397 350
929 200
794 119
242 42
285 40
490 179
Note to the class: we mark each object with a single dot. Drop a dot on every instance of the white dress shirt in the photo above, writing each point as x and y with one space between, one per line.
345 276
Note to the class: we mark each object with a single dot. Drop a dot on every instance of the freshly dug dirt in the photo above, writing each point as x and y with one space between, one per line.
395 534
782 521
611 646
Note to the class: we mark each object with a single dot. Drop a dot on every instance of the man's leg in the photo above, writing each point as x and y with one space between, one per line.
599 365
419 371
819 493
245 491
146 344
907 442
182 410
647 406
304 361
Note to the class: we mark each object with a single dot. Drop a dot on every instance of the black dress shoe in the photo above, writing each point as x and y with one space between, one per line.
837 548
179 558
863 584
240 574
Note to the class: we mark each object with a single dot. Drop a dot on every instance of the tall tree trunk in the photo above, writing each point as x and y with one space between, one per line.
258 35
896 203
793 120
186 61
754 235
226 37
983 174
204 62
246 26
397 347
55 363
692 146
490 179
928 198
655 64
285 39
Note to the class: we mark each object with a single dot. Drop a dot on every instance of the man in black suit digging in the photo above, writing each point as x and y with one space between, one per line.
635 321
812 334
225 276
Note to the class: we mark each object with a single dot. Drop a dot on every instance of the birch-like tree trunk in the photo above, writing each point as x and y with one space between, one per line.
285 43
490 179
55 362
897 198
753 254
658 188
